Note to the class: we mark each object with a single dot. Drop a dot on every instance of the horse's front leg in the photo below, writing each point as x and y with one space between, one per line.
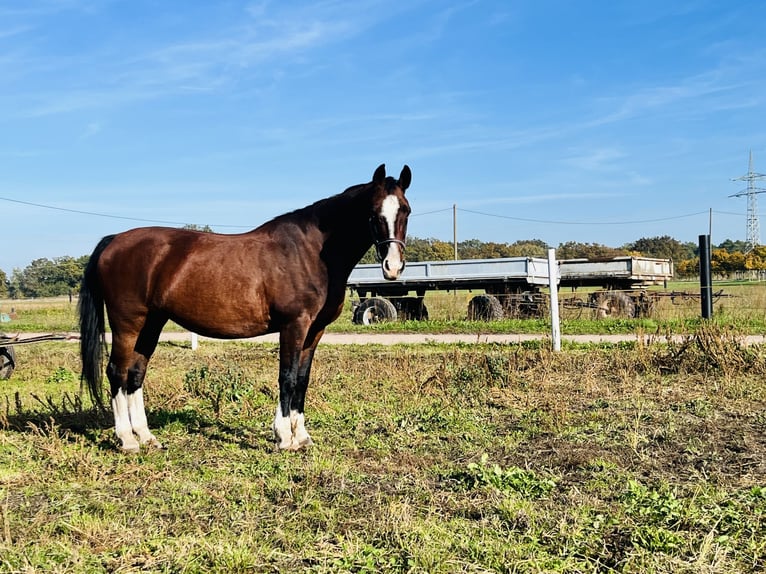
126 371
295 358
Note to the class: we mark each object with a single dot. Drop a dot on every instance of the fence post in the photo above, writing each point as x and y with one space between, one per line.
194 341
553 284
706 277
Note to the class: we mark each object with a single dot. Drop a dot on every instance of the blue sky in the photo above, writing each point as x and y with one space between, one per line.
599 122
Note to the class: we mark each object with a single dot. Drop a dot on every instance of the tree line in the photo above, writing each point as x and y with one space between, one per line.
61 275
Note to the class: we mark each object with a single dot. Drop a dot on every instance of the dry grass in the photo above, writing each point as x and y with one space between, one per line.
429 458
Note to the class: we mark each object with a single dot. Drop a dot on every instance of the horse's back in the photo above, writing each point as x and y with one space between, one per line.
216 285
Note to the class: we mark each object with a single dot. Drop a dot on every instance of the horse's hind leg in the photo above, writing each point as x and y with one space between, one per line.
118 372
126 371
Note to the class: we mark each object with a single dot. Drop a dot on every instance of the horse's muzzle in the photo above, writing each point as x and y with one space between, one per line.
393 264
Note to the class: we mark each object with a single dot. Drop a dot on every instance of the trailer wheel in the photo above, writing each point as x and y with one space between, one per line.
524 305
485 308
644 304
374 310
613 304
411 309
7 362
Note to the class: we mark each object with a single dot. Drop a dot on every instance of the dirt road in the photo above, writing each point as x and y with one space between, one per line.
404 338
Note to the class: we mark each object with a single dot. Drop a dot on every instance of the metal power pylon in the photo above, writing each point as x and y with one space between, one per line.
753 225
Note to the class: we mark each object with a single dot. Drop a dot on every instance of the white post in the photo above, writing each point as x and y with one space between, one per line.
194 341
553 274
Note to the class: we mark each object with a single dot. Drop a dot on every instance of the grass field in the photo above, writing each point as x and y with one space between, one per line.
428 458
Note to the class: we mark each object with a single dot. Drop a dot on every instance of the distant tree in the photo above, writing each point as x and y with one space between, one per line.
14 285
68 273
195 227
687 268
475 249
369 257
575 250
36 278
48 278
429 250
733 246
724 263
664 247
4 284
529 248
756 259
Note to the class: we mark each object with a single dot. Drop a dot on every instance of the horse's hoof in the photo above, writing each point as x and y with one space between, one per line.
296 445
130 449
153 444
306 442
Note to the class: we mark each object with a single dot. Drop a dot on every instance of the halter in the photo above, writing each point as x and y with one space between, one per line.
379 243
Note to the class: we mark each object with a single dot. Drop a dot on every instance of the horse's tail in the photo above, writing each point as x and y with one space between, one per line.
92 327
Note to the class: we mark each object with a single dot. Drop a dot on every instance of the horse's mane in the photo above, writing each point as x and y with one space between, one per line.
328 207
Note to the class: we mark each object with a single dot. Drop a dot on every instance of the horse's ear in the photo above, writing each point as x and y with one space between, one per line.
380 175
405 178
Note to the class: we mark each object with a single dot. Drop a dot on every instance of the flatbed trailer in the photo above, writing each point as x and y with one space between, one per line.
512 286
623 283
8 354
626 272
381 300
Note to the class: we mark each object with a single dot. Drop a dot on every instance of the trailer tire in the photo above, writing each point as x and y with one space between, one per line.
374 310
411 309
485 308
644 304
7 362
524 305
613 304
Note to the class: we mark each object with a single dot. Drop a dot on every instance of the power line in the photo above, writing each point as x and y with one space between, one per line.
431 212
444 210
110 216
553 222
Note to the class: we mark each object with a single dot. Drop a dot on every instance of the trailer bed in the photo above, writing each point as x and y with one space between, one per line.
448 275
617 272
512 286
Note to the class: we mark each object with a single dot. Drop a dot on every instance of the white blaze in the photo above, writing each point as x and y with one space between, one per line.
392 263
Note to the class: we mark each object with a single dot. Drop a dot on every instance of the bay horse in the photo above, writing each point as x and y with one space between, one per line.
288 276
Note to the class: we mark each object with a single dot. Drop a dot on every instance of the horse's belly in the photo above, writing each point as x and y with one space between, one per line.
218 315
212 324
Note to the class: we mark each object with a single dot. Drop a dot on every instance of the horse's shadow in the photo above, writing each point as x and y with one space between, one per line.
70 418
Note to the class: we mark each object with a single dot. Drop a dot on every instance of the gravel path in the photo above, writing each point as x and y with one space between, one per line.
404 338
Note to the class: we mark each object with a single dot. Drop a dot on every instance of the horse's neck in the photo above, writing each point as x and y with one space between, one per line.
346 228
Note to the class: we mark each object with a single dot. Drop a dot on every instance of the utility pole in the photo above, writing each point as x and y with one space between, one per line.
751 192
454 229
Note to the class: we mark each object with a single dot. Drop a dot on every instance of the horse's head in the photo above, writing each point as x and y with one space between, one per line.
388 221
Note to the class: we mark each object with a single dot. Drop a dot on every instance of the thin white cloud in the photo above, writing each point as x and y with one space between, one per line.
13 31
45 8
91 130
600 159
735 83
261 44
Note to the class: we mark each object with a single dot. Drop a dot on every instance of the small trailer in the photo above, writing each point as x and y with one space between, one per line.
512 286
623 282
8 354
